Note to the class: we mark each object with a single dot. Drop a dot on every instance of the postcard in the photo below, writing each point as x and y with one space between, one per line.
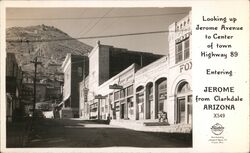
124 76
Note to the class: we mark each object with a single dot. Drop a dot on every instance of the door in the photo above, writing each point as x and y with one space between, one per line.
122 110
181 110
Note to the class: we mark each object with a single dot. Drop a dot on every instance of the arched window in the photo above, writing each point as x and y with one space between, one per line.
184 103
161 94
140 102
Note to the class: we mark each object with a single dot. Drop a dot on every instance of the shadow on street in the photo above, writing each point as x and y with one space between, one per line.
78 133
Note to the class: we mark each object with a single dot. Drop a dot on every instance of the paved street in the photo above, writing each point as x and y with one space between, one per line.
77 133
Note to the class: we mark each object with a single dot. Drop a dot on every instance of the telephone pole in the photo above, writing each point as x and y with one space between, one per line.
34 83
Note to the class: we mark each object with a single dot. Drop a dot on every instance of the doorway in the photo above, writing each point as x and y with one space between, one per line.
122 111
181 110
184 103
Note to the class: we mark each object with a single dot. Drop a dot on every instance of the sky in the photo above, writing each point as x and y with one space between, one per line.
88 22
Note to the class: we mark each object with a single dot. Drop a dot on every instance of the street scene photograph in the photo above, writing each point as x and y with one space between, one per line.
95 77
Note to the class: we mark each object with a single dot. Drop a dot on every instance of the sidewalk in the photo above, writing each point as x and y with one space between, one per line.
152 126
17 134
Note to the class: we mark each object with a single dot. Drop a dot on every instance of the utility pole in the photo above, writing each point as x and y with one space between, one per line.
34 83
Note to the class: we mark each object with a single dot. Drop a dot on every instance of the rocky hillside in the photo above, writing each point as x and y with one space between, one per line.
38 41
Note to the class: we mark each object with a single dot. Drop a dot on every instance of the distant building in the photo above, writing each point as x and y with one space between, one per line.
41 90
84 105
75 67
54 90
13 87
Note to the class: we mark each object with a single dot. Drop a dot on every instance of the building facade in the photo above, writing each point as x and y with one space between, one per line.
75 67
84 105
142 92
13 88
105 62
41 90
180 74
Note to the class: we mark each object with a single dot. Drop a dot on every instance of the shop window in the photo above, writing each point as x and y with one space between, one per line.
161 105
106 108
162 89
116 95
140 98
150 92
141 108
117 106
162 93
130 90
189 105
111 98
130 102
122 93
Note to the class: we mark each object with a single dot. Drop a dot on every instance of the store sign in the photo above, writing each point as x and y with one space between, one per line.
115 86
186 66
99 97
126 78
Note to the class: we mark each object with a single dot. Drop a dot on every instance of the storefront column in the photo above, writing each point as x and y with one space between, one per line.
109 104
147 103
155 92
113 104
144 103
135 105
126 105
153 106
126 110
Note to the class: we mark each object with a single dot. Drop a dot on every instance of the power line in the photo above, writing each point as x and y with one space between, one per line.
107 17
97 22
93 37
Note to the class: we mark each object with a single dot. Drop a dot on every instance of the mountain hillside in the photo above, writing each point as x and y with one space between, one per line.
26 43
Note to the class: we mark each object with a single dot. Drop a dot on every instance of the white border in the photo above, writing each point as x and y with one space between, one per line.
78 4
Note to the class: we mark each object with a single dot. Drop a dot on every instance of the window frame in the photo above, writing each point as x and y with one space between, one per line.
182 50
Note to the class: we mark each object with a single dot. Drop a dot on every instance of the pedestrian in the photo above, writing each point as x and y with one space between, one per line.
108 119
160 116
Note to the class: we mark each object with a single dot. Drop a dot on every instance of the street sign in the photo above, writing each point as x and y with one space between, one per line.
99 97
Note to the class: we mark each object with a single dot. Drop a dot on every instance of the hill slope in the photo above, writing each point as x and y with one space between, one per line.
27 45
